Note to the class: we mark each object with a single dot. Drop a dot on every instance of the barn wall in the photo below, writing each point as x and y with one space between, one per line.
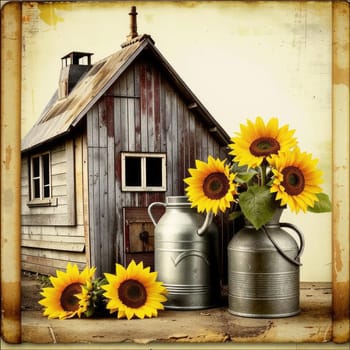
101 185
54 236
141 112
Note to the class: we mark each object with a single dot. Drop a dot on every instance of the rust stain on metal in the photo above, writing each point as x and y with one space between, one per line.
9 55
341 308
10 311
10 296
338 264
340 66
11 34
341 75
8 157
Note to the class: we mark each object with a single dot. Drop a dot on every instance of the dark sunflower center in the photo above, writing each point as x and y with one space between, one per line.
293 180
216 185
68 300
264 146
132 293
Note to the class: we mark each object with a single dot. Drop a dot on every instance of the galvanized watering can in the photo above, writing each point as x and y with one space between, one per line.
186 255
263 268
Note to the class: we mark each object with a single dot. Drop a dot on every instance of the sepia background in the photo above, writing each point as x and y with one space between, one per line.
241 59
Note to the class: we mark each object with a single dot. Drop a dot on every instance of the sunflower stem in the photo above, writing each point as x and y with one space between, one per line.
263 174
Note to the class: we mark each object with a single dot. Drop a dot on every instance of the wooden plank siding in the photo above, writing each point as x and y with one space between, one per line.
101 184
62 189
140 112
54 236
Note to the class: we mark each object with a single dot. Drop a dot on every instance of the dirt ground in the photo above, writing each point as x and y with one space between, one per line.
313 324
31 285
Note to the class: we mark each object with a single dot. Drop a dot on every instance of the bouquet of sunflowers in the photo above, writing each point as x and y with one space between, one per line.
268 171
130 292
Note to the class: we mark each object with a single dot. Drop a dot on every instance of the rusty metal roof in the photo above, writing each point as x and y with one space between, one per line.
61 115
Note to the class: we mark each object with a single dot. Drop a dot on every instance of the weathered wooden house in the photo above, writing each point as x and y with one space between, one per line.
116 136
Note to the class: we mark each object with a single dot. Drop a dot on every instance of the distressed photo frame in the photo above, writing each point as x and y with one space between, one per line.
11 87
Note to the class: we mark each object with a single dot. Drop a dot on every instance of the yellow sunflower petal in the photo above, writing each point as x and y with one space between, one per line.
296 179
134 291
257 141
60 300
211 186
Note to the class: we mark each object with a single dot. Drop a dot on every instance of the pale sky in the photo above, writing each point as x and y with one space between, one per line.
241 59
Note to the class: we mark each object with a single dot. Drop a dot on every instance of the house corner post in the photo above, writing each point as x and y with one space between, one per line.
341 135
11 34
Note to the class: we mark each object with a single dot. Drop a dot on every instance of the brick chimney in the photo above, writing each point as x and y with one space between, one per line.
74 65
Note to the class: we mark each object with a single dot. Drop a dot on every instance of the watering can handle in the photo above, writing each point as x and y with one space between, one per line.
294 261
149 210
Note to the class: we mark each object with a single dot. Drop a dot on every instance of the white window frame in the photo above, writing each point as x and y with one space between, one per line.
143 186
42 200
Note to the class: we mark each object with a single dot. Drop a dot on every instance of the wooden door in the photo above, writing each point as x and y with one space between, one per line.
139 235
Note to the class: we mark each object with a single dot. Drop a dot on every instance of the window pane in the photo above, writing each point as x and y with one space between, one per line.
132 171
46 169
36 192
46 191
36 169
153 172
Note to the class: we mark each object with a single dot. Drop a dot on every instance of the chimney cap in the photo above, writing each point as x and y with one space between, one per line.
77 54
74 57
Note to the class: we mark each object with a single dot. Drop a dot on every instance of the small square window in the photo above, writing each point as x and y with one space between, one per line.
143 172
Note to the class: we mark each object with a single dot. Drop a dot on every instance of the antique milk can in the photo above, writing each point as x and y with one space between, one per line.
263 268
186 255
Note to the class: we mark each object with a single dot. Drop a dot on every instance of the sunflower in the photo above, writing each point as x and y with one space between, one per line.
296 179
211 186
60 300
134 291
257 141
91 298
84 297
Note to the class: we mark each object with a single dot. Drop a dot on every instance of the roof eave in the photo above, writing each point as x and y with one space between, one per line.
147 41
212 123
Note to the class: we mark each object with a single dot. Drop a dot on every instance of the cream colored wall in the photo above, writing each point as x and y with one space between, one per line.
241 59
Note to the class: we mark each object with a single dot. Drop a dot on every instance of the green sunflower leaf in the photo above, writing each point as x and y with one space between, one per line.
234 215
235 168
257 205
323 205
89 312
244 177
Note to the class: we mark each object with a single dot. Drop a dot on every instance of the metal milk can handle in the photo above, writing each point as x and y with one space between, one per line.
294 261
149 210
207 221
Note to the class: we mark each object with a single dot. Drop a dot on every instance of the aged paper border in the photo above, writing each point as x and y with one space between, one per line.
11 30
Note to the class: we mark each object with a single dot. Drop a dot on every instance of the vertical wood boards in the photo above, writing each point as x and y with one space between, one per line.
101 185
141 112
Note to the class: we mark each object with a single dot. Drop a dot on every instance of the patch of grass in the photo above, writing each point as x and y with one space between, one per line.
44 281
